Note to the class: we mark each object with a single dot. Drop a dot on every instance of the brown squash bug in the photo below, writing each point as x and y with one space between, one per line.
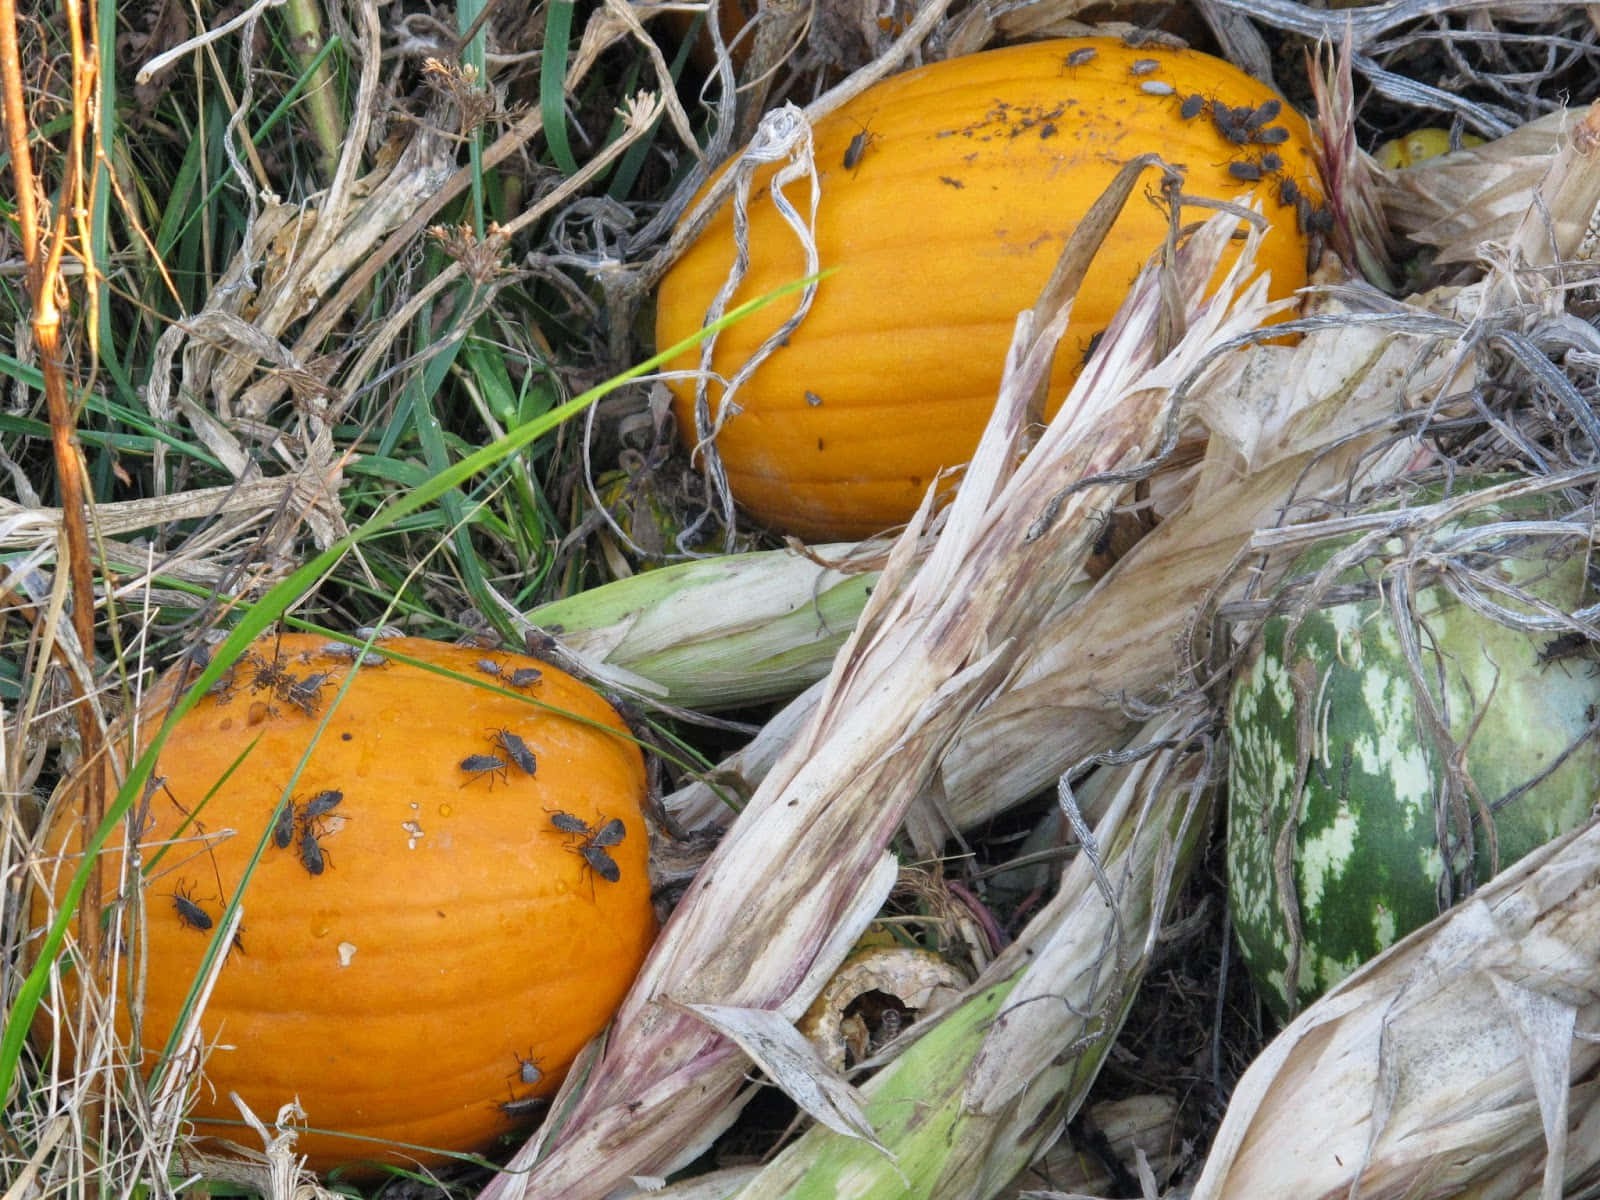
304 693
189 912
1143 66
1080 58
528 1069
312 857
1248 171
1264 113
479 765
601 863
857 148
489 667
1192 107
1272 135
283 829
1156 87
322 802
524 677
516 750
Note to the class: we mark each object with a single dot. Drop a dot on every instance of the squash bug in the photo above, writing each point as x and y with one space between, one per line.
1155 87
1229 122
190 913
489 667
1288 193
1263 113
609 834
857 148
1271 162
479 765
304 693
567 823
1079 58
283 829
321 803
524 677
516 750
601 863
1192 107
312 857
1272 135
1568 645
1143 66
1245 170
521 1108
528 1069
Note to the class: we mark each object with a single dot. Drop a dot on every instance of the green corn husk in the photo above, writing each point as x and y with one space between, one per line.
723 632
992 1082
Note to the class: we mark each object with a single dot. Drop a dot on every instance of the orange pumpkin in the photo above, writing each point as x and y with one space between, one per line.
427 940
948 193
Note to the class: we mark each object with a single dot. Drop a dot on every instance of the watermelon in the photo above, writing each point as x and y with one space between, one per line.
1361 841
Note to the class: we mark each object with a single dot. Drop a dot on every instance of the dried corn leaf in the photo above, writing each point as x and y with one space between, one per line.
1443 1066
921 658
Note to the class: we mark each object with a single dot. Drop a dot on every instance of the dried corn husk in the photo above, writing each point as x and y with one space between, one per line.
727 631
1460 1062
923 655
973 1100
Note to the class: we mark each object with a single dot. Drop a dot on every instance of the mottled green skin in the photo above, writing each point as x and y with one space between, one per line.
1368 867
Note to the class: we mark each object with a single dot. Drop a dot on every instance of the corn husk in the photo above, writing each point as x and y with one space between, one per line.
1460 1062
928 649
722 632
971 1102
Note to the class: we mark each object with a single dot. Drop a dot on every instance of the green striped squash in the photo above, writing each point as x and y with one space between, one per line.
1359 840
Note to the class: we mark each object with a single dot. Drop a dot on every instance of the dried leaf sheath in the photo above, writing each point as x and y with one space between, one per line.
922 657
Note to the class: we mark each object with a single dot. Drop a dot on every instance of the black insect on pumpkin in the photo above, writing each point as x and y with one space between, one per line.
1265 112
305 693
480 765
1272 135
190 912
312 856
1192 107
516 750
1249 171
283 828
857 148
322 802
601 863
568 823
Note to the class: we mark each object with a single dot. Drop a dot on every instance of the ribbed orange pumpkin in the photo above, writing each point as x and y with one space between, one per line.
456 948
965 179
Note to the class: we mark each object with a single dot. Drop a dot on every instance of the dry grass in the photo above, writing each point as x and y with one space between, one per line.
320 307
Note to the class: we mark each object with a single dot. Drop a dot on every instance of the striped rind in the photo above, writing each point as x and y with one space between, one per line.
1368 866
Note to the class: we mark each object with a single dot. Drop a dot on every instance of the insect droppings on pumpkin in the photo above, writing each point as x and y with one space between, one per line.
1245 170
322 802
1272 135
1079 58
283 829
190 913
479 765
517 750
1156 87
312 856
1143 66
1192 106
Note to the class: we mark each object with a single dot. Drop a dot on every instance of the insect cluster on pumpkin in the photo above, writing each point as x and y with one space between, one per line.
591 843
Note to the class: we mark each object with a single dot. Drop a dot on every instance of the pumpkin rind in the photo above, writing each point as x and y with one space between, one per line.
971 176
1367 864
453 933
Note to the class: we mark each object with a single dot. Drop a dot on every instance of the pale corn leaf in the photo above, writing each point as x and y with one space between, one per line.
1546 1024
912 671
791 1062
1420 1075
